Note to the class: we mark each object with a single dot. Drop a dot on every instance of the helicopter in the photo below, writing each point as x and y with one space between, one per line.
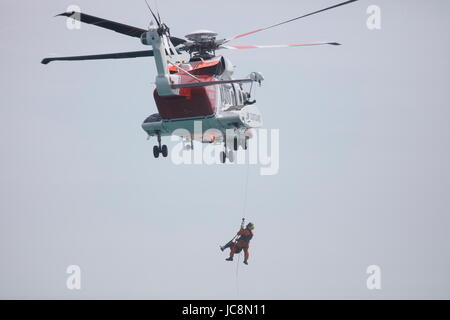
199 90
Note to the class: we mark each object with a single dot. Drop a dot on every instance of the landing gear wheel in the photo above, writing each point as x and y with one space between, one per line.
223 157
164 151
156 151
235 144
245 143
231 156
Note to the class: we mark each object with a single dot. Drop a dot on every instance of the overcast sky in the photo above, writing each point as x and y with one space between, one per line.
364 163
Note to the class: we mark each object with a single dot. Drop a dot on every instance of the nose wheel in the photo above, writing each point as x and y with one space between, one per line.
160 150
223 157
157 150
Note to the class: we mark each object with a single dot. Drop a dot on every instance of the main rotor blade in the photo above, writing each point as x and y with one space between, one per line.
107 24
112 25
158 21
176 41
290 20
280 46
120 55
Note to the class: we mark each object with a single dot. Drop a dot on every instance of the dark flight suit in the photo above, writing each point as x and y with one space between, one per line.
245 235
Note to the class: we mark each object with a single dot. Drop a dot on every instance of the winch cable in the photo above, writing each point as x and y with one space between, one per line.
242 224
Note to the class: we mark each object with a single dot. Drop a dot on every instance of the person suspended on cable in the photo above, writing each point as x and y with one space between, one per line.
242 242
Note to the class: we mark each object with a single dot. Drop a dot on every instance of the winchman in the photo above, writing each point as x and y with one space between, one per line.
242 242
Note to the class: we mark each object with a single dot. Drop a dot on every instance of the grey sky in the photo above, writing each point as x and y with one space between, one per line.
364 165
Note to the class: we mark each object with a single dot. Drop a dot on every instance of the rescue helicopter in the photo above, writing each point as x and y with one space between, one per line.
201 89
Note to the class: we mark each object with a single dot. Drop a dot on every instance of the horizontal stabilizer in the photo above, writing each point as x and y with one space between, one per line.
208 83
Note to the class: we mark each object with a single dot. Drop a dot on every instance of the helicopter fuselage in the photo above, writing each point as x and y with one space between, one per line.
200 111
204 113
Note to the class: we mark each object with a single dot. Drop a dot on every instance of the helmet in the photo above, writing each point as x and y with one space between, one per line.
250 226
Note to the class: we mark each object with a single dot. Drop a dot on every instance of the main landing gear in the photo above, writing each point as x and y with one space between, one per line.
224 155
157 150
239 141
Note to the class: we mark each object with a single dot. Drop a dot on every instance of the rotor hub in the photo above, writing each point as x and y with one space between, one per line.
202 36
201 44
